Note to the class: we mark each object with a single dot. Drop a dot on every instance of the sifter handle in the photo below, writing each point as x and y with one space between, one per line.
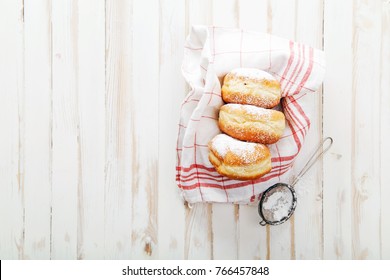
316 155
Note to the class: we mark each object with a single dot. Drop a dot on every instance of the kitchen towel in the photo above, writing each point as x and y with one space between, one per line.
210 53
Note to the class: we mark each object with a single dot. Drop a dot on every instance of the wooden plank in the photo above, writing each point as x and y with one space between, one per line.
199 235
308 239
198 12
11 118
282 11
254 15
91 97
198 218
337 98
65 130
385 131
366 130
145 59
225 13
252 238
121 166
37 135
171 91
225 231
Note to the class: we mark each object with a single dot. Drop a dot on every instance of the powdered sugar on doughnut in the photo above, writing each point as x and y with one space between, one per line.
223 143
252 73
258 112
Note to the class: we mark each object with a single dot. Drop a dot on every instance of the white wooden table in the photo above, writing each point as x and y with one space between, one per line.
90 93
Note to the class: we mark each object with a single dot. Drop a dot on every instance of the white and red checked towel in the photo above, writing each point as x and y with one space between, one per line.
210 53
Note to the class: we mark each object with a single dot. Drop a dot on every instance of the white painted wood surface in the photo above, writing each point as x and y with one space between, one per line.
90 93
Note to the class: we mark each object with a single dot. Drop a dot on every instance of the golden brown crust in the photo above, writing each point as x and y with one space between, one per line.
251 123
251 86
237 159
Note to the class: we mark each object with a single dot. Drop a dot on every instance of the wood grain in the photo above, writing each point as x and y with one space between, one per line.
337 107
198 235
171 213
37 129
145 75
253 15
384 131
11 126
121 167
91 104
65 131
365 130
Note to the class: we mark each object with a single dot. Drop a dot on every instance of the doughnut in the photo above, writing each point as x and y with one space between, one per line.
251 86
251 123
239 160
